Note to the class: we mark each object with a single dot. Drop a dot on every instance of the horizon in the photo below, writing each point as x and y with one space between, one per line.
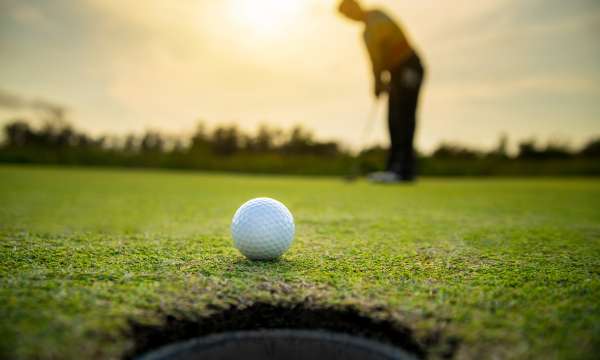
133 67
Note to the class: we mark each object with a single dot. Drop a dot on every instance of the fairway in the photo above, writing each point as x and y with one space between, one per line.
473 268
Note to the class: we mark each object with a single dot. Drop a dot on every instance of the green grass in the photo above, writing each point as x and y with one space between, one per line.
509 268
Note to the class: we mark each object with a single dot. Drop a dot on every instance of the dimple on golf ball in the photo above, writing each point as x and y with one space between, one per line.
263 229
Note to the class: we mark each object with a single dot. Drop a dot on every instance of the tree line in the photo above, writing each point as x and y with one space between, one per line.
225 140
273 150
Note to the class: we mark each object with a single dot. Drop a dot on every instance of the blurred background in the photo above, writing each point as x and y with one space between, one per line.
283 86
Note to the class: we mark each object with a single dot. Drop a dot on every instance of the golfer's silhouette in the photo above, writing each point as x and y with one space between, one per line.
397 70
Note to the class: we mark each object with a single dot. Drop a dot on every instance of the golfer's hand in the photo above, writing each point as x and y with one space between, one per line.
379 88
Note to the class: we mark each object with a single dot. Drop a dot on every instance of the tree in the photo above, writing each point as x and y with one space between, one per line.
200 141
501 151
152 142
299 141
591 149
18 134
530 151
265 139
130 146
453 151
225 140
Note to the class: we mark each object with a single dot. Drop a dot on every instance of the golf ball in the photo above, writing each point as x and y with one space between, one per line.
263 229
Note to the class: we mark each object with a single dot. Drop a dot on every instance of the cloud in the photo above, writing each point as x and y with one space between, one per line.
589 20
11 101
28 14
509 88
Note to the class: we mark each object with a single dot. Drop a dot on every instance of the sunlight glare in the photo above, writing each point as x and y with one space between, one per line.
265 19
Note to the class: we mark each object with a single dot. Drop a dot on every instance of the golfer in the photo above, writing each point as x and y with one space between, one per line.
398 71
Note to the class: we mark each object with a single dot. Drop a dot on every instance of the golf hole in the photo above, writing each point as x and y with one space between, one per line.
279 345
265 331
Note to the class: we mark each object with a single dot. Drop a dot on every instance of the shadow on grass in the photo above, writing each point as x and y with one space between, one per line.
263 264
277 266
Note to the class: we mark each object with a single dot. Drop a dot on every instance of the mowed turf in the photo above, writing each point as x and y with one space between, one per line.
502 268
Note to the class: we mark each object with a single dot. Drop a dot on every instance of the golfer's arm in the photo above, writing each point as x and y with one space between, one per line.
376 62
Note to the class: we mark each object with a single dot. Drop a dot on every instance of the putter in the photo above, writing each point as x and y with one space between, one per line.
366 134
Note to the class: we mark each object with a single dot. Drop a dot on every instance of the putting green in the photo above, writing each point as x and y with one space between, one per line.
497 267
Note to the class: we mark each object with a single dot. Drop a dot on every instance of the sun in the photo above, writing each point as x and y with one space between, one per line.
264 19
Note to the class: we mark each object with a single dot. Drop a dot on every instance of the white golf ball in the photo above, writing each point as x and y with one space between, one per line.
263 229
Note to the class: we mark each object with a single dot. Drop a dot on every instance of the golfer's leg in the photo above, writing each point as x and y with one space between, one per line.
408 152
395 107
411 173
403 139
409 121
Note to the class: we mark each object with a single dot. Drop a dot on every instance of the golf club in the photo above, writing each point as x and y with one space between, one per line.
367 131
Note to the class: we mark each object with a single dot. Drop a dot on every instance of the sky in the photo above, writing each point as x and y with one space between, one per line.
527 69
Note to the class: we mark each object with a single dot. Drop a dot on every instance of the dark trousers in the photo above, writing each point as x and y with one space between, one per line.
405 86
